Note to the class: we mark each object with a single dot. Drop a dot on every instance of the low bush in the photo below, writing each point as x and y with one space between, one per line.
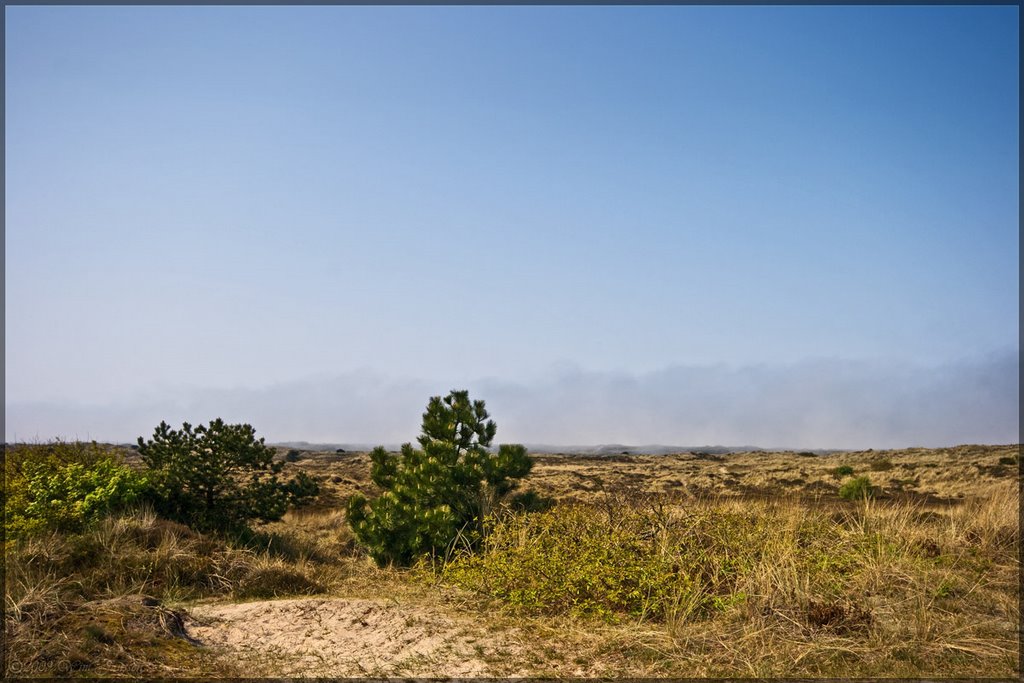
881 465
842 471
65 487
857 488
567 562
628 562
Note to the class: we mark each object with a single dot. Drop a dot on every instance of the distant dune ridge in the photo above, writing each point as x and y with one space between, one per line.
553 449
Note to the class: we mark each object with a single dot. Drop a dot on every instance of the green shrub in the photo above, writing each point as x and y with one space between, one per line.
568 561
440 492
615 562
842 471
218 477
65 487
857 488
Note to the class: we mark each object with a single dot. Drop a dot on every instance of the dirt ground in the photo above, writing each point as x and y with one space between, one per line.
333 637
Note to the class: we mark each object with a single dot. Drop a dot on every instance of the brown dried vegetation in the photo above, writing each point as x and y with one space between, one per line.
767 573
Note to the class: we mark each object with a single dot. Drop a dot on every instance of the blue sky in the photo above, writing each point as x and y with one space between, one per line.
204 200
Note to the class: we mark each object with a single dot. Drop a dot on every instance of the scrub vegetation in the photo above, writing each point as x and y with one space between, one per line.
744 565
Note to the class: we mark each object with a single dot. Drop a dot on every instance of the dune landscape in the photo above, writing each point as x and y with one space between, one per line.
919 579
740 284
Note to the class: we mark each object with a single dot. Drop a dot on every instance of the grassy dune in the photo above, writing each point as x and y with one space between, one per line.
743 565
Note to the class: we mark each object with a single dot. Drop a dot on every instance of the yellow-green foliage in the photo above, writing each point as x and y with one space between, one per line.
568 561
628 561
857 488
64 487
610 563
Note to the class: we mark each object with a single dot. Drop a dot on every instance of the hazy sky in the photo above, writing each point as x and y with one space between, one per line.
689 224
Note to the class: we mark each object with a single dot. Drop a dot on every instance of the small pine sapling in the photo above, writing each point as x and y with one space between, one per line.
440 492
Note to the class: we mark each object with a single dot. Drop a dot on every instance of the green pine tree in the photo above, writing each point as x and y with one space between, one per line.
218 477
442 490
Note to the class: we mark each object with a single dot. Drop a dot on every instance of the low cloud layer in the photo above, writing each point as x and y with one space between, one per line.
812 404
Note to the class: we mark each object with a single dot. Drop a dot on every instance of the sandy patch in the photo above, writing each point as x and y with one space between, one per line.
318 637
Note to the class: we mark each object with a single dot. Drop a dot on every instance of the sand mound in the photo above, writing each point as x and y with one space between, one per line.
318 637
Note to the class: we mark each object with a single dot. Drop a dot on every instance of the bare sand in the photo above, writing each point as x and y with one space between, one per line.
333 637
